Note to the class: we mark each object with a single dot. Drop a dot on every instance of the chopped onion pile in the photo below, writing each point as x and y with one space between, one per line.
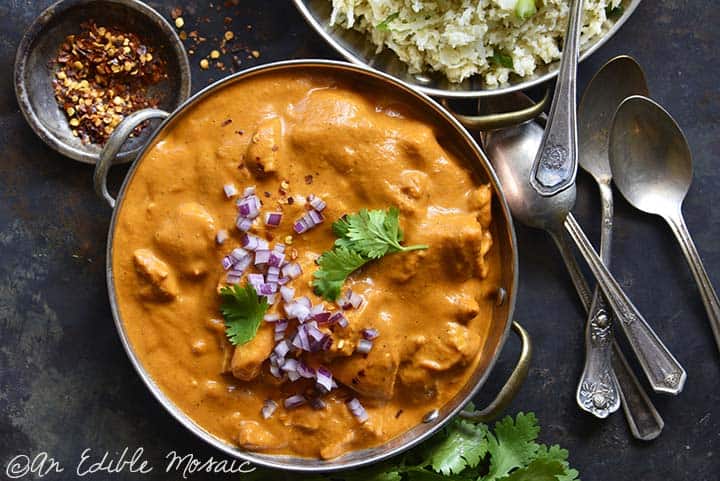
299 327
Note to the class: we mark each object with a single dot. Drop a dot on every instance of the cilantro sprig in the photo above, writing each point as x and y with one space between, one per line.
469 451
243 311
362 237
385 24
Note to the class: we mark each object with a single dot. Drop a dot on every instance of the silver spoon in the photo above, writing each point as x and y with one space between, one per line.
512 163
652 164
522 141
619 78
555 164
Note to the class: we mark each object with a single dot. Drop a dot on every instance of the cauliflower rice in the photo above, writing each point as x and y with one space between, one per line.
462 38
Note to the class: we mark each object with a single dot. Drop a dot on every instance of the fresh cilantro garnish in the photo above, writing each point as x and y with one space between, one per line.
614 12
468 451
513 445
362 237
525 9
385 24
501 59
243 311
372 233
335 266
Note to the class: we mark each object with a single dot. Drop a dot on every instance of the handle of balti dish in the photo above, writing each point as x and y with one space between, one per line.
500 120
113 146
512 385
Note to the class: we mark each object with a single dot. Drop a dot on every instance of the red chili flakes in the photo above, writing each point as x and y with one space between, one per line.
102 75
226 122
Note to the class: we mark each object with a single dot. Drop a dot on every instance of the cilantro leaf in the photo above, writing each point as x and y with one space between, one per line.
372 233
538 470
385 24
464 445
335 266
614 12
513 445
243 311
501 59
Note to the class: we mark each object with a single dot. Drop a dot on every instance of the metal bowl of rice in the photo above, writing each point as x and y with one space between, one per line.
460 48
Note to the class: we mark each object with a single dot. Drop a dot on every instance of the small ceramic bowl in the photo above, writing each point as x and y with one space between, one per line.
40 44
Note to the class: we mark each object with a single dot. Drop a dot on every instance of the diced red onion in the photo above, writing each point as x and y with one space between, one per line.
364 346
317 403
292 270
228 262
249 191
350 300
307 221
305 301
324 344
284 280
293 376
301 340
316 203
287 293
273 275
221 236
290 365
370 333
267 289
230 190
276 259
262 256
275 371
294 401
256 280
305 371
271 298
339 319
322 318
282 348
272 317
239 254
314 333
357 410
324 378
279 247
273 219
249 207
316 217
243 224
268 408
297 311
250 242
230 279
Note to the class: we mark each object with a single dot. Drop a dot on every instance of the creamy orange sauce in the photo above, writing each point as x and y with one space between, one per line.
356 147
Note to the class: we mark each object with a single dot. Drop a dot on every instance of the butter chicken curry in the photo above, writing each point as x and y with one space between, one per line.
216 257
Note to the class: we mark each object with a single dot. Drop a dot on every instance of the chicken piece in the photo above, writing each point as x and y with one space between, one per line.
455 345
466 307
249 357
261 155
481 201
372 375
251 435
158 282
187 237
463 244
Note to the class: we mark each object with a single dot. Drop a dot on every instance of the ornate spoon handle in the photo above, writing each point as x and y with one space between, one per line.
662 369
644 420
555 164
597 390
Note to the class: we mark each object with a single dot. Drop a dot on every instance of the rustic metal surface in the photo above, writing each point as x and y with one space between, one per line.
67 385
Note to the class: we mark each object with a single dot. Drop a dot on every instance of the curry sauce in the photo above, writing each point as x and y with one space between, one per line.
355 147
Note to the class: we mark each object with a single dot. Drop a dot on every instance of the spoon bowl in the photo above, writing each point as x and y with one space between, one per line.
650 157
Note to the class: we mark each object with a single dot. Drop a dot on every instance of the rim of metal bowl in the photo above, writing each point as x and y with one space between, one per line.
37 27
465 94
280 461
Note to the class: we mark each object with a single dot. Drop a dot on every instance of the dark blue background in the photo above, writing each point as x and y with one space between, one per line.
66 384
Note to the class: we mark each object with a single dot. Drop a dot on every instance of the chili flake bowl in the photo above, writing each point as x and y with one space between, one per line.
39 46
